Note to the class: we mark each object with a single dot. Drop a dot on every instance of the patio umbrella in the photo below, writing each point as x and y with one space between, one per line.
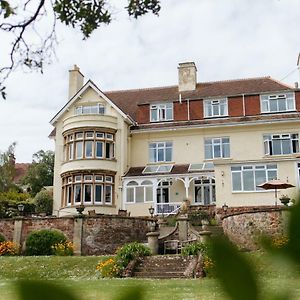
275 184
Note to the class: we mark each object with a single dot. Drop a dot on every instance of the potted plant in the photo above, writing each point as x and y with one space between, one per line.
284 199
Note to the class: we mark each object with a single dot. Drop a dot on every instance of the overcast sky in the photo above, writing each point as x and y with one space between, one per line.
226 39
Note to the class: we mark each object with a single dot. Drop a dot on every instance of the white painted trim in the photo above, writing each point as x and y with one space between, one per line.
90 84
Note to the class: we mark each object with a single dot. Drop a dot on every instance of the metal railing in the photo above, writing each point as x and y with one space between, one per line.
167 208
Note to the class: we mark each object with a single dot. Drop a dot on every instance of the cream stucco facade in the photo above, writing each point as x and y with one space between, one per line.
103 146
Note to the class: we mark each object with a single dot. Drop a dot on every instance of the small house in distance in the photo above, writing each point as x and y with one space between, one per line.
209 142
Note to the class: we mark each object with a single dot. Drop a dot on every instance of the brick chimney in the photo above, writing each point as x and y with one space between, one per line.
187 76
75 81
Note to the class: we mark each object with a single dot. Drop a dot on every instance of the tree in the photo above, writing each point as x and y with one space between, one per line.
40 172
43 202
24 24
7 169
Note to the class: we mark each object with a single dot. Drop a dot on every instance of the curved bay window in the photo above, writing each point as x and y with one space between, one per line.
89 144
87 189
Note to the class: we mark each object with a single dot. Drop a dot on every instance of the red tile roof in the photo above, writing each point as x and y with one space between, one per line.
128 100
20 171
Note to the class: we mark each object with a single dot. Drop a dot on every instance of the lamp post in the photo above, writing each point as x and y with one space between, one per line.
151 211
21 209
225 208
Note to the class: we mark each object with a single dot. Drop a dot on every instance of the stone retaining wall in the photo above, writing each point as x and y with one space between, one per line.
95 235
245 228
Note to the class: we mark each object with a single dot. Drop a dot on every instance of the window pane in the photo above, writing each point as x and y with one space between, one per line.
226 150
236 181
169 154
217 150
208 151
78 149
77 193
98 193
286 146
282 105
109 150
108 194
69 194
273 105
154 115
87 193
99 149
248 181
260 177
149 193
139 194
89 149
71 151
277 147
130 195
160 155
152 157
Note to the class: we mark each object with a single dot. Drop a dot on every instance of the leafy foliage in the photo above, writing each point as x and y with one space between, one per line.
9 248
32 48
2 238
7 169
9 202
40 242
36 290
43 202
194 249
63 249
108 268
129 252
40 172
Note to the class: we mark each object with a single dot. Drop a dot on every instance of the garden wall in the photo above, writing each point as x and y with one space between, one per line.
244 228
95 235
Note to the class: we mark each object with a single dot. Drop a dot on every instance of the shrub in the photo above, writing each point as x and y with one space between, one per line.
40 242
2 238
9 248
194 249
63 249
205 249
130 251
196 217
108 268
279 241
43 202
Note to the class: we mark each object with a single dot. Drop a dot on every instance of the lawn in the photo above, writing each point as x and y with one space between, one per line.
78 274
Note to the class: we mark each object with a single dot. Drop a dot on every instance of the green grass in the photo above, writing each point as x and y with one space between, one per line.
78 274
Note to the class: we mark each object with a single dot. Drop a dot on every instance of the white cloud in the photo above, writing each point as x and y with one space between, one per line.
226 39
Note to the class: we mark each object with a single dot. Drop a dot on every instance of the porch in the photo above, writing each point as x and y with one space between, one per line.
166 191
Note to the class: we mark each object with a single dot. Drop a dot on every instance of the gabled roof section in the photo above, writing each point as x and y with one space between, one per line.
129 100
90 84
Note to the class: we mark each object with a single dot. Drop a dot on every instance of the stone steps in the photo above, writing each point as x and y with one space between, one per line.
162 266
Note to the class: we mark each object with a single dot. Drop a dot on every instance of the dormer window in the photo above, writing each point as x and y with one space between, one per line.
277 103
215 108
90 109
161 112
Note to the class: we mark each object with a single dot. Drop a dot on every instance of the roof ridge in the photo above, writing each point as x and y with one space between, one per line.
280 82
203 83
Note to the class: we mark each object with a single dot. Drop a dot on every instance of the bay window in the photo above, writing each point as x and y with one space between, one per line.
89 189
89 144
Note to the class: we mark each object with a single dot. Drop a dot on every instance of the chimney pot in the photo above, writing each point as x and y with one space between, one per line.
296 84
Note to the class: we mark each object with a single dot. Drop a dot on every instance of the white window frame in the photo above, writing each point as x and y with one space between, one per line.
162 112
241 169
92 109
157 147
133 185
289 99
211 103
269 139
214 142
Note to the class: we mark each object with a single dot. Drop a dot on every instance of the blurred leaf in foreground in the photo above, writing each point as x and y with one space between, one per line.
234 272
37 290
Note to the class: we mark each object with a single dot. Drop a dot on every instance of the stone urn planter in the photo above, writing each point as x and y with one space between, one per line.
284 200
